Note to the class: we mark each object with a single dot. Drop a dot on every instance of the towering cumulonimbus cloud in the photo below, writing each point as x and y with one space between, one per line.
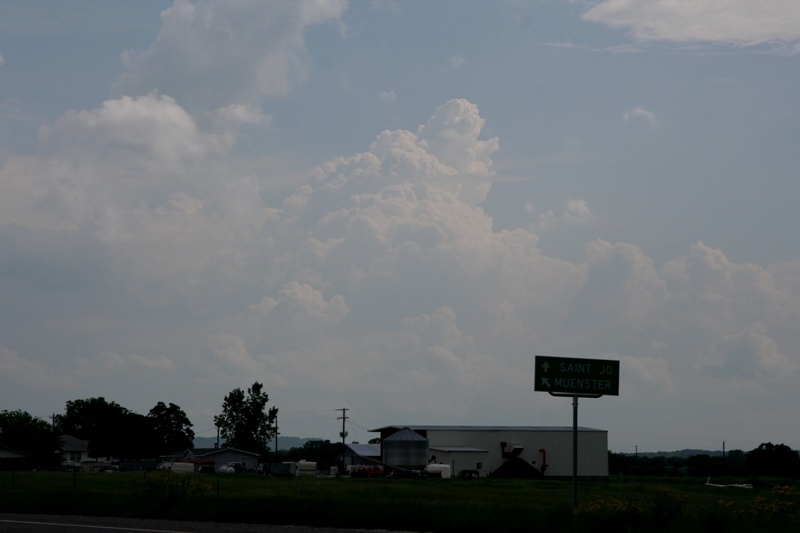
210 54
140 253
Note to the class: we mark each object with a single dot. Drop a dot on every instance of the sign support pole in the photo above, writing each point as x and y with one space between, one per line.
575 451
575 439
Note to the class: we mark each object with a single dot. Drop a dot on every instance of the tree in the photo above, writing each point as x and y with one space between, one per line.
112 430
773 460
97 420
171 427
703 465
245 422
29 434
322 452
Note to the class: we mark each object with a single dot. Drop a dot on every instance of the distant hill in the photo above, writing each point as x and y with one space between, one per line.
284 443
689 452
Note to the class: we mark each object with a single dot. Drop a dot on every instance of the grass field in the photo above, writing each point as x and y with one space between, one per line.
450 505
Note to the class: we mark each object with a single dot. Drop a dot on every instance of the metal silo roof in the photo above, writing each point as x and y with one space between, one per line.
405 434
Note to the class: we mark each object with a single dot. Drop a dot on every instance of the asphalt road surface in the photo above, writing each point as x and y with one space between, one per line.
19 523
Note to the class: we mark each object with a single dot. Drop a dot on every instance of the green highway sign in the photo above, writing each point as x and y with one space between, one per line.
569 375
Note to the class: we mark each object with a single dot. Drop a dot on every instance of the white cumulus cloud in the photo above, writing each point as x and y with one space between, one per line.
639 113
211 54
736 22
387 97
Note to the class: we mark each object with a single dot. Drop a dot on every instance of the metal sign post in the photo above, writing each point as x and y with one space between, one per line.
587 378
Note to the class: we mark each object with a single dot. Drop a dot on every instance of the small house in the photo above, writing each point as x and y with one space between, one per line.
221 457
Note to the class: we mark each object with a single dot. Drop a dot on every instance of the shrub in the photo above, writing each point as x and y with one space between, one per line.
667 505
782 504
722 515
607 514
173 487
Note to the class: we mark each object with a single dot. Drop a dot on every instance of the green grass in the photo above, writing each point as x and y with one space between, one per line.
441 506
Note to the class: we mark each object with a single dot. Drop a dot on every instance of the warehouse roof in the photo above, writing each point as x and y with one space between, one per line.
450 449
487 428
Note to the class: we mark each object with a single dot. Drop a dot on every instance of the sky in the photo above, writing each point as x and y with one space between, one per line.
393 206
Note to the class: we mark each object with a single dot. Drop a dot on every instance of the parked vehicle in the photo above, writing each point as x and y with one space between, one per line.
237 467
184 468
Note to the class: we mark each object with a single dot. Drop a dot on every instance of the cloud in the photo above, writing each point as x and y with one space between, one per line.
232 352
623 292
387 97
639 113
153 362
734 22
451 135
211 54
576 213
750 353
648 372
134 248
457 61
149 130
22 373
104 168
615 49
385 5
444 151
2 61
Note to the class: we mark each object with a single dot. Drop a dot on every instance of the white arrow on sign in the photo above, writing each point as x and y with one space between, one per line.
546 382
545 366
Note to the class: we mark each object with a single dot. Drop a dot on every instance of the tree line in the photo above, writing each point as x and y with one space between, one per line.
768 459
245 423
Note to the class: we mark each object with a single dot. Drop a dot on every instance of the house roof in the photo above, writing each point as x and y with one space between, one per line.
488 428
198 460
73 444
207 452
11 453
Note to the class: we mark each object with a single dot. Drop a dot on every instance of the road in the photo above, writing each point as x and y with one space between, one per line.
19 523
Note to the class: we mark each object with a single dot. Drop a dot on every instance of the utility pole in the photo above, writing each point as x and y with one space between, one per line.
343 434
276 437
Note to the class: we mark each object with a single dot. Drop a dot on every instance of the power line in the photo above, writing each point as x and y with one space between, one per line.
303 412
356 425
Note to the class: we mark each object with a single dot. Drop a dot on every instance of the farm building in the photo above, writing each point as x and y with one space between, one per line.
509 451
11 459
218 457
361 454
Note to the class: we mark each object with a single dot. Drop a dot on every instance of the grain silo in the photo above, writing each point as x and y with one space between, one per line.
406 449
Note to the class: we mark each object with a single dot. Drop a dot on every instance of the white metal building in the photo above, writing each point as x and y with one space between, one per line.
360 454
487 448
222 456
